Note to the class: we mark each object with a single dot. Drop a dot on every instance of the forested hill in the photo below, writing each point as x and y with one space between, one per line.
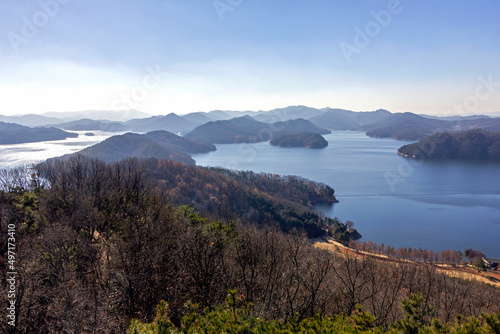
157 144
263 199
98 245
470 145
284 202
407 126
307 140
248 130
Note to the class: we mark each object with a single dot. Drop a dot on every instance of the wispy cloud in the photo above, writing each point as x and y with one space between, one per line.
262 55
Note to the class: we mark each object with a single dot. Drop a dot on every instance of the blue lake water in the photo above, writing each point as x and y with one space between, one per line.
392 200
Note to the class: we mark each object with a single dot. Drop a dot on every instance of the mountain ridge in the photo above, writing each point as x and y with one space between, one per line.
378 123
11 133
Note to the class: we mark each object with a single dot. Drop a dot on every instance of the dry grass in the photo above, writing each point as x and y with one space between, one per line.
463 272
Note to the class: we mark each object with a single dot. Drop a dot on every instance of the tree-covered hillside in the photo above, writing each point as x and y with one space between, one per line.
98 245
471 145
248 130
237 317
157 144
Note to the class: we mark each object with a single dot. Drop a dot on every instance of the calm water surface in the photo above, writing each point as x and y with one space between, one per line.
392 200
26 154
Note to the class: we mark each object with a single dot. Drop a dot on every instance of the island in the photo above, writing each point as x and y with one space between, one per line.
305 139
247 130
477 144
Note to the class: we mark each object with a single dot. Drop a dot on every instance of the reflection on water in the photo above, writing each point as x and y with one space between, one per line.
29 153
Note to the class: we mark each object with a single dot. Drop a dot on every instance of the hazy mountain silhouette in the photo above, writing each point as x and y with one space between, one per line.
17 134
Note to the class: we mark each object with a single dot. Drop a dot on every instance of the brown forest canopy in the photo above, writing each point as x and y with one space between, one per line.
105 243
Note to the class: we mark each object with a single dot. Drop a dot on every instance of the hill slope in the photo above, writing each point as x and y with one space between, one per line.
124 246
182 144
158 144
471 145
341 119
407 126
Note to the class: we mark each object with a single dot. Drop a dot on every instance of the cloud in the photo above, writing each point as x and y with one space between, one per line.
260 57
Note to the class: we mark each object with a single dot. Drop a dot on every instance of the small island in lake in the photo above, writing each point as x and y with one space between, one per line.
305 139
477 144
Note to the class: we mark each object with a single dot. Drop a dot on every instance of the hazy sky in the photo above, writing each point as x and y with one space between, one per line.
424 56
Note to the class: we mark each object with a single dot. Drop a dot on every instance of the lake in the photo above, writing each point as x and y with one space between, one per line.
392 200
16 155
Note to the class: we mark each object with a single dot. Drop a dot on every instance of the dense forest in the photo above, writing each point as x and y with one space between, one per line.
305 139
236 317
475 144
98 245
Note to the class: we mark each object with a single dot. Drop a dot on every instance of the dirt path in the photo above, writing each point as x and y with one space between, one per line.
463 272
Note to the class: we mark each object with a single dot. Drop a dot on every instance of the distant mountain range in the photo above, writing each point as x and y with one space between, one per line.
158 144
405 126
340 119
457 118
112 115
92 125
17 134
247 130
31 120
475 144
57 118
379 123
170 122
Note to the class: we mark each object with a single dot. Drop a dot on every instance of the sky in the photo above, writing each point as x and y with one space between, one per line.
182 56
